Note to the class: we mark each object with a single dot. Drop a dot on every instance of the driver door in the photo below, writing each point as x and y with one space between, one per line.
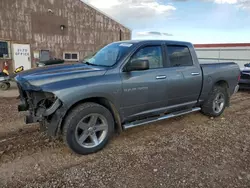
144 91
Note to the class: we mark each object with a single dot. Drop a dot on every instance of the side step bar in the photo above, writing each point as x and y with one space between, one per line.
152 120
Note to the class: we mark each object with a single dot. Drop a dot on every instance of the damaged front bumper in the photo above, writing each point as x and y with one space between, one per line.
39 116
43 107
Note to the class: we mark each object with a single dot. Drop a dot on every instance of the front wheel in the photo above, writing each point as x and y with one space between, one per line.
88 128
216 102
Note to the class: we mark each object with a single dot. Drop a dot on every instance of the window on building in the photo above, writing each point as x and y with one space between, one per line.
71 56
179 56
67 56
151 53
74 56
4 50
45 55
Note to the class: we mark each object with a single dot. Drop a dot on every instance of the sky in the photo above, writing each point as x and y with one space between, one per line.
196 21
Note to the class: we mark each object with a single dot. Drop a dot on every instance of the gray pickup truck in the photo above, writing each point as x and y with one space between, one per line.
123 85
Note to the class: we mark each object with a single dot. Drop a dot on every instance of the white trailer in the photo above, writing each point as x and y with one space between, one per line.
236 52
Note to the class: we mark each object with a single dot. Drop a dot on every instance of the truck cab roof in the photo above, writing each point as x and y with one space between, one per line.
155 41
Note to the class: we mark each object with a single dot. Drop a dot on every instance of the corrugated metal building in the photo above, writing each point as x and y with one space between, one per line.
236 52
67 29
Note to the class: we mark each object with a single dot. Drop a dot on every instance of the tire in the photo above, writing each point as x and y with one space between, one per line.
80 130
4 86
209 107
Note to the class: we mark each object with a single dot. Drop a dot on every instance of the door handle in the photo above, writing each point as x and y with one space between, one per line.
161 77
195 73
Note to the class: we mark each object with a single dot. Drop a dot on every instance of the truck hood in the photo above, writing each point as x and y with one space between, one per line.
36 78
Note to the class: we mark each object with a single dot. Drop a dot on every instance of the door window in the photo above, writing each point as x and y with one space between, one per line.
179 56
151 53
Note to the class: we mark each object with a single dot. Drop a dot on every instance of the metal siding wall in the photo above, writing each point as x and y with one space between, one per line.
32 22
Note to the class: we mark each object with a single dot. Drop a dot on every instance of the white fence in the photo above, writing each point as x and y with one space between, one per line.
239 55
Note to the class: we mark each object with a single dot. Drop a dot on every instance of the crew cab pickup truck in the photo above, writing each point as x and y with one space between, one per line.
123 85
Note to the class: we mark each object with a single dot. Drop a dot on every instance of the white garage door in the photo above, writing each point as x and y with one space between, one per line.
21 55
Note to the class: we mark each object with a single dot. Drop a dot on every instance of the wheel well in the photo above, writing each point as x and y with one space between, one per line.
225 85
222 83
104 102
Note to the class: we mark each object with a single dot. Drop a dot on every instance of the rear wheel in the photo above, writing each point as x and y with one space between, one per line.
216 103
88 128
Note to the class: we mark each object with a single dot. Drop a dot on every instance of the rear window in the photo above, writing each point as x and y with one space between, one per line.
179 56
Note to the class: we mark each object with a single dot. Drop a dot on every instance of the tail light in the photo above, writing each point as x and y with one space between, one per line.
239 77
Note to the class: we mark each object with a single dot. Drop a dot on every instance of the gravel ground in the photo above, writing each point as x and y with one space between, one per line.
188 151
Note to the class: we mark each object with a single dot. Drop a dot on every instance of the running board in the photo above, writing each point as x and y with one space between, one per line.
152 120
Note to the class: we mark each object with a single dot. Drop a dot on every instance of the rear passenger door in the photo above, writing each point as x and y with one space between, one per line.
184 77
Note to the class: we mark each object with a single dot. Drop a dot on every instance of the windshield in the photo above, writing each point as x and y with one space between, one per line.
247 65
109 55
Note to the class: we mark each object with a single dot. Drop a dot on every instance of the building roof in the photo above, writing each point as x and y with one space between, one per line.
98 10
222 45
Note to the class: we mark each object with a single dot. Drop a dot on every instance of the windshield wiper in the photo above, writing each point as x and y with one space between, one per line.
88 63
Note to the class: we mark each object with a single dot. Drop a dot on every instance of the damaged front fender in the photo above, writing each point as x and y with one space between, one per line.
54 125
41 113
51 117
42 106
53 108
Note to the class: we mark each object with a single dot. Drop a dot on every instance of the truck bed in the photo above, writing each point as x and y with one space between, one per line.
212 73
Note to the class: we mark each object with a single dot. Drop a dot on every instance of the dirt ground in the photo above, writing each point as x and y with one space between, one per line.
11 92
188 151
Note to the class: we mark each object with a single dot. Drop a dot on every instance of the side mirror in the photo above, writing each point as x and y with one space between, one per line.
137 65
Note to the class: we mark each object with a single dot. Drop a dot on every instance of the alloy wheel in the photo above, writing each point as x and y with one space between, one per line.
91 130
218 103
